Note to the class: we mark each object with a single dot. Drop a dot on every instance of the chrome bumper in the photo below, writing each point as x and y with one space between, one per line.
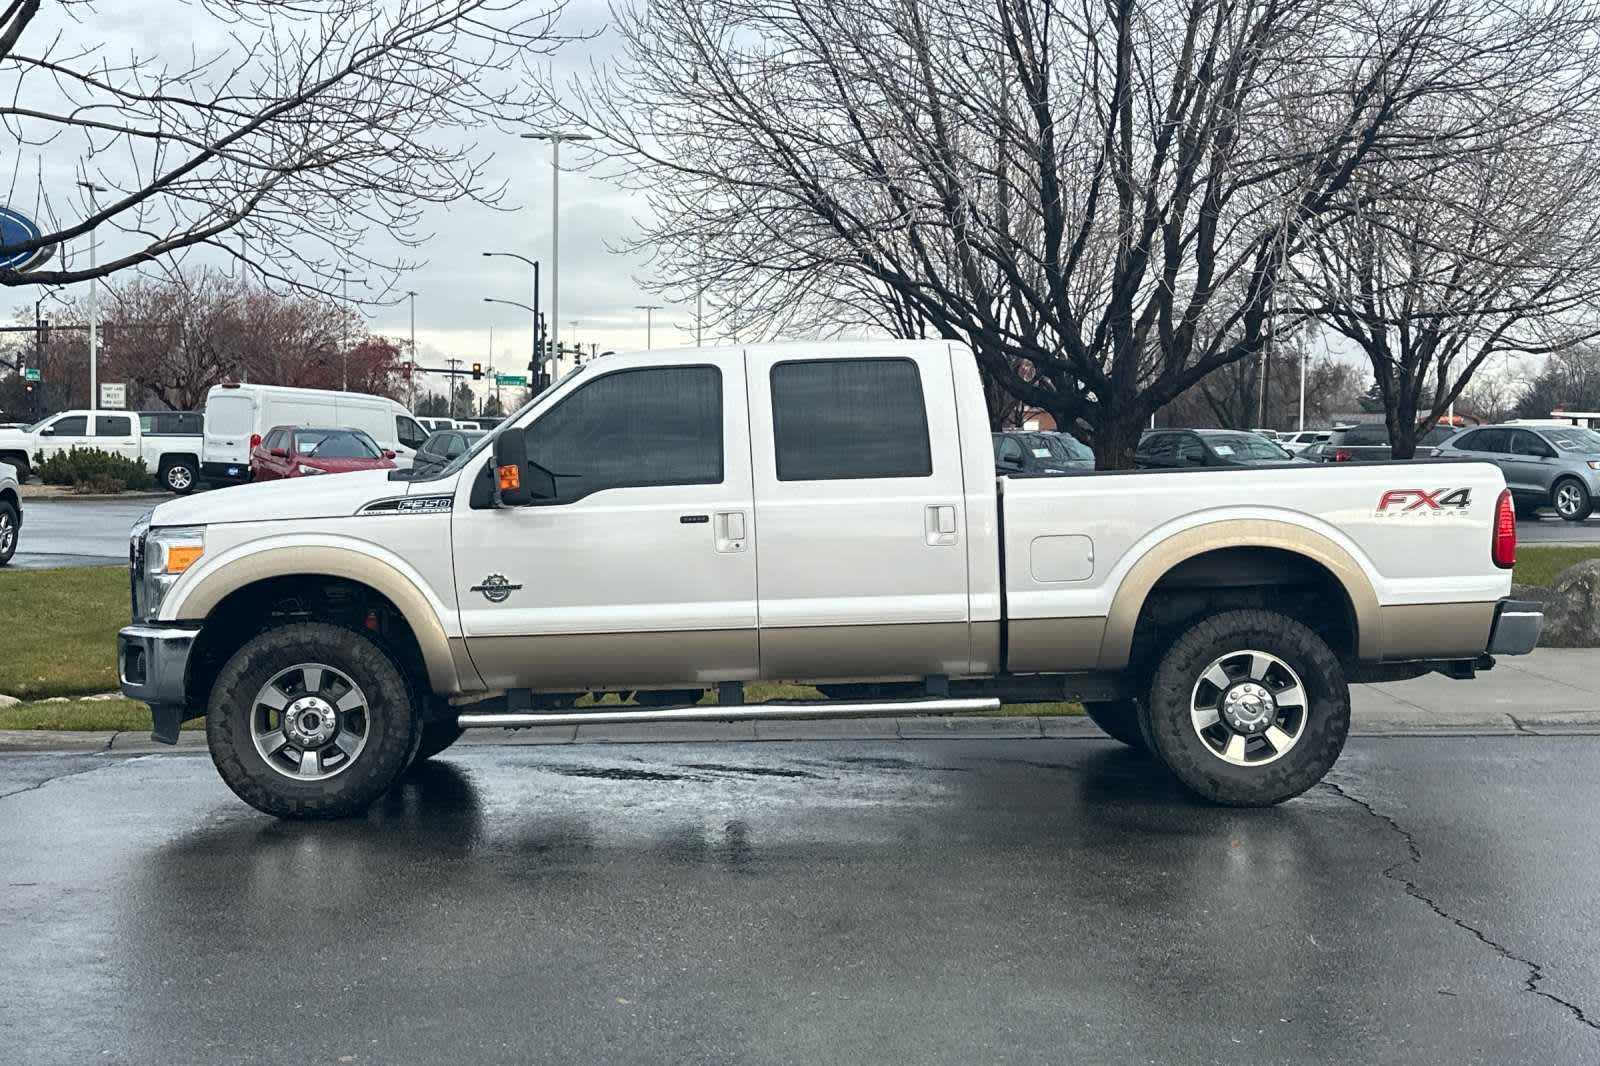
153 665
1516 629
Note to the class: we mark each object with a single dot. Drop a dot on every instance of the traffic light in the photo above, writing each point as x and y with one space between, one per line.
477 371
44 333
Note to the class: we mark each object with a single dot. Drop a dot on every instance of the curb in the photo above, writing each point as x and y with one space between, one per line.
907 729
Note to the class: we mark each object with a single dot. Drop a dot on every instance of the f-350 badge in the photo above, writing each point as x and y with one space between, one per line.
496 589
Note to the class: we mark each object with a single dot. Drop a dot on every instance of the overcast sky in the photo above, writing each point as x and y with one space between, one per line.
598 288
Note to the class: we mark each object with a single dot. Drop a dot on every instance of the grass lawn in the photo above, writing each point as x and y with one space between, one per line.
59 636
1541 565
126 715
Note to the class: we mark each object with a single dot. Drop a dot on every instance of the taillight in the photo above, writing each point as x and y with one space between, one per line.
255 441
1503 549
1342 456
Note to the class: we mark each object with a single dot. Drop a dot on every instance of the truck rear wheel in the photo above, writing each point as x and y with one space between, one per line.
1119 720
1248 708
311 721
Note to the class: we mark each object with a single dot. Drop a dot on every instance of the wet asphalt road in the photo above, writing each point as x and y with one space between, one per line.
938 901
57 532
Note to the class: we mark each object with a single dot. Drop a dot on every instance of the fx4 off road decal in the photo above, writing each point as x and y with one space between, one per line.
1424 503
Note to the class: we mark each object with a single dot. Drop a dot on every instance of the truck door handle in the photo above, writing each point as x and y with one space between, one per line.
730 530
939 525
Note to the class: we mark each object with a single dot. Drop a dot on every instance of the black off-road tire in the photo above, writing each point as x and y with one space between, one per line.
10 531
436 737
180 476
393 726
1119 720
1573 489
1166 714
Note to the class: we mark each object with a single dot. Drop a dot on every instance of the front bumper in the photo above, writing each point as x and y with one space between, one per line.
153 665
1516 628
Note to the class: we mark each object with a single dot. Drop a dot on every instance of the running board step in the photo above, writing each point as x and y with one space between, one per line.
715 712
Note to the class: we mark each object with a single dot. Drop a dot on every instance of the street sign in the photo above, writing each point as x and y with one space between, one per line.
114 396
15 227
30 373
510 379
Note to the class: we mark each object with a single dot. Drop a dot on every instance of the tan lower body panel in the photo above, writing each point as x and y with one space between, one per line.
1436 630
570 662
870 652
1050 645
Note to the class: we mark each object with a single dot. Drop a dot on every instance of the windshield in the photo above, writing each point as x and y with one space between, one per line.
1063 446
335 444
1247 447
1574 440
486 441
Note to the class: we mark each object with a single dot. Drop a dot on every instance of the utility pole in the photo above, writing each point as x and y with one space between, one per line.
94 305
412 377
555 137
536 364
649 323
455 365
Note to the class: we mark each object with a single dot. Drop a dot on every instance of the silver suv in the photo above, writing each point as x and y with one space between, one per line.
1545 466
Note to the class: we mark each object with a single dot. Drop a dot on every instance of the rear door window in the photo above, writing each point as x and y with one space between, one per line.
838 419
113 426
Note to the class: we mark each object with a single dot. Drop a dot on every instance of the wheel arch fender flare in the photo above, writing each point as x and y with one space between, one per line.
1169 551
197 595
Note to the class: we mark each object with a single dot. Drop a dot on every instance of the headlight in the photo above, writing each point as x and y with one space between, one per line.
304 469
1594 464
168 552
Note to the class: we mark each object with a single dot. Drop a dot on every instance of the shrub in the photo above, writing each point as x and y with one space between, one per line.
93 470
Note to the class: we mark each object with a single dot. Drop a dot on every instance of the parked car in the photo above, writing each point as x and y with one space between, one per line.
175 459
1295 443
443 446
673 520
1370 442
237 418
434 424
10 513
1316 453
1037 452
301 451
1545 465
1270 434
1168 448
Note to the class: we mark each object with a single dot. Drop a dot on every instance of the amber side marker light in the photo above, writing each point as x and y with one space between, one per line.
182 556
510 477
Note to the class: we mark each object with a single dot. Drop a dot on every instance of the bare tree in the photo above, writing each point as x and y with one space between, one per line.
309 124
1098 198
1433 270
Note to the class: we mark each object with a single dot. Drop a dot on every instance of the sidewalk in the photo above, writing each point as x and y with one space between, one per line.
1554 691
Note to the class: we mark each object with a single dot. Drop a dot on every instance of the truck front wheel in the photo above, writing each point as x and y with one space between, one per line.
311 721
180 475
1248 708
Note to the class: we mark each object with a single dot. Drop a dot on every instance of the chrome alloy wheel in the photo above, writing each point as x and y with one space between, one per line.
8 534
309 722
179 478
1248 708
1569 499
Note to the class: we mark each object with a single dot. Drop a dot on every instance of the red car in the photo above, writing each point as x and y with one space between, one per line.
299 451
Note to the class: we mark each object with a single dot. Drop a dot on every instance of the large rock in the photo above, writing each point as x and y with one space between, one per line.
1572 610
1536 593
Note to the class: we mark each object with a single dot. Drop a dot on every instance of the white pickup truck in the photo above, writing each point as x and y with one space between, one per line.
669 524
174 458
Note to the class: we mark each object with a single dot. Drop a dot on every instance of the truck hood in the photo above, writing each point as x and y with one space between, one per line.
15 439
324 496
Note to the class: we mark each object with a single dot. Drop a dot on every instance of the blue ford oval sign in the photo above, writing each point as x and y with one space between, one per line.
15 228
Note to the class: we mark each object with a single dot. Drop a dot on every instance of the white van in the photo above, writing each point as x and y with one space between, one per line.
238 416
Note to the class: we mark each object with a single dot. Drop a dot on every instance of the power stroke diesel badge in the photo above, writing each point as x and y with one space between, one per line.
496 589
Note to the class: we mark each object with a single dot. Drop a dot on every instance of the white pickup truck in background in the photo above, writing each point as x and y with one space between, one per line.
669 523
173 458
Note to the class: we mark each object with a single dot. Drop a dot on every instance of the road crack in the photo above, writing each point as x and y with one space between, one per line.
58 777
1413 858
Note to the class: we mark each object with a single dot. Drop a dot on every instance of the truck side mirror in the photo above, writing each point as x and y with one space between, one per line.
516 481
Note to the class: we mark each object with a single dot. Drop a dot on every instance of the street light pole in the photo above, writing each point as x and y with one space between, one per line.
94 305
412 294
536 364
555 137
649 323
344 331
